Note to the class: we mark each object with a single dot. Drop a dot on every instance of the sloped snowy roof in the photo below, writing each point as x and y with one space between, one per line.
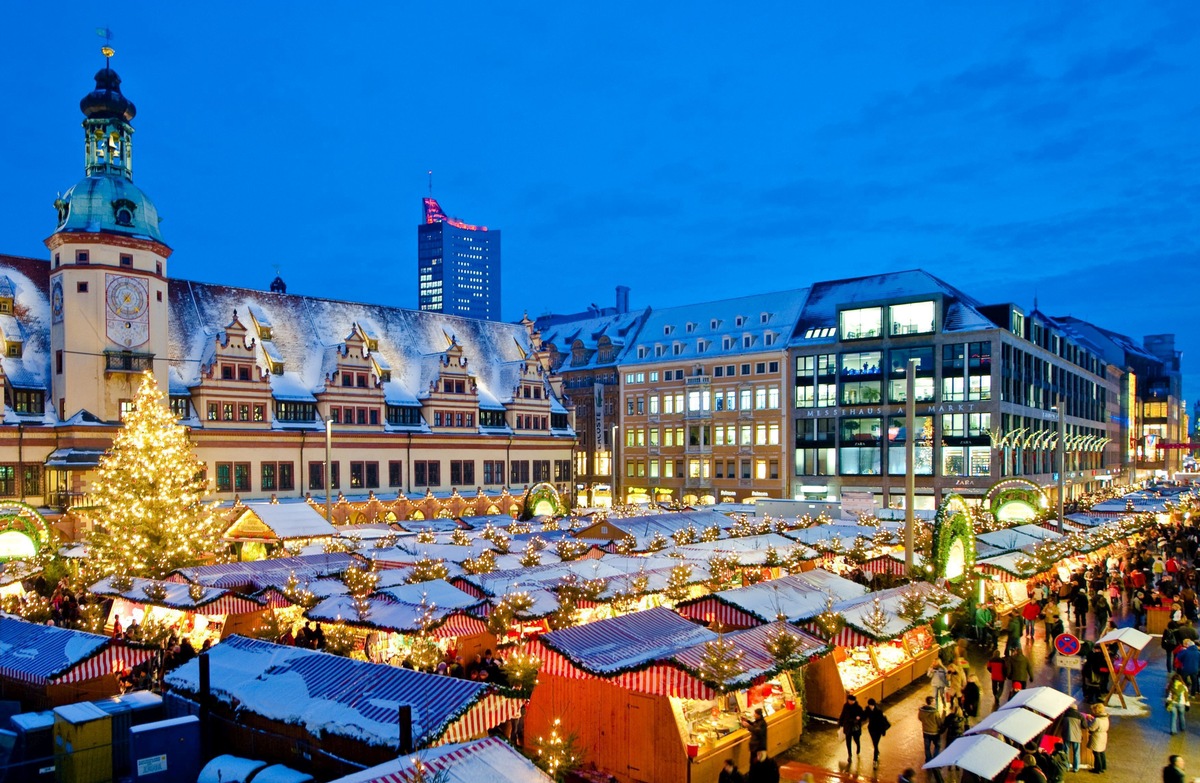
176 596
436 592
891 601
490 759
618 329
713 322
610 646
289 520
749 550
827 297
259 574
329 694
798 597
37 653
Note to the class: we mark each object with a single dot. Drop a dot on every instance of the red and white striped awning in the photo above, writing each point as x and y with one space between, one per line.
484 716
710 610
459 625
114 657
847 637
998 572
468 588
884 564
657 679
273 598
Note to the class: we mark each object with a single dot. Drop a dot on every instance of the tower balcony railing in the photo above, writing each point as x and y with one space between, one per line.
128 361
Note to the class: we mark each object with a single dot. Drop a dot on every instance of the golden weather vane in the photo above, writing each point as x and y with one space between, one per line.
107 49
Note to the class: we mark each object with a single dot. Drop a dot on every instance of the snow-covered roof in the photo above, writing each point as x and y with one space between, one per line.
328 694
288 520
578 342
827 297
436 592
891 602
749 550
796 597
40 653
176 595
259 574
490 759
617 644
710 330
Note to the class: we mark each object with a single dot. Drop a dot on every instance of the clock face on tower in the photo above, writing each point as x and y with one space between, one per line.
127 300
56 301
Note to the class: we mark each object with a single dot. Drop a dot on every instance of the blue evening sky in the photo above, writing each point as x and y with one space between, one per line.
692 151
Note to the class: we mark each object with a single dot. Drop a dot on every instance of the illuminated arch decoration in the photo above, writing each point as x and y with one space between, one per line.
23 531
953 540
1016 501
542 500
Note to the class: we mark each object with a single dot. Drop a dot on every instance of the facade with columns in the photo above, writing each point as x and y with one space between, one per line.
430 414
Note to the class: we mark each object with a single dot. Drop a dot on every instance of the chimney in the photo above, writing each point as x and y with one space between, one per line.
622 299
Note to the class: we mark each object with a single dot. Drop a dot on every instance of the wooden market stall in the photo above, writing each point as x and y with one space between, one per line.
876 652
258 529
395 616
194 611
650 716
795 598
269 699
42 666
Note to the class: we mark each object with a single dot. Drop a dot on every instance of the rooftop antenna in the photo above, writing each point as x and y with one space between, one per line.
107 49
430 172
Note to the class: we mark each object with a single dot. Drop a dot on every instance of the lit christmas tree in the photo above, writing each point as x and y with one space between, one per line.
720 663
558 755
152 518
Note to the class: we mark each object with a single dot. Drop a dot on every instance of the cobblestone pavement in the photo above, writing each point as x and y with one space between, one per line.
1138 743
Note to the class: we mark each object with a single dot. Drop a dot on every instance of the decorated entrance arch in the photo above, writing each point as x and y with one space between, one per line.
23 531
543 500
953 539
1016 501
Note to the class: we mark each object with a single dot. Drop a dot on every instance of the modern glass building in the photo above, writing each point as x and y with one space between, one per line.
458 266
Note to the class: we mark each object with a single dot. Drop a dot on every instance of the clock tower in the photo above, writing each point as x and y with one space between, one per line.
108 285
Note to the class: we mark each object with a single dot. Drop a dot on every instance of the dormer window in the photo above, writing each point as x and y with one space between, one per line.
691 327
726 343
5 305
714 324
739 321
747 340
668 329
641 353
677 348
123 211
14 350
764 317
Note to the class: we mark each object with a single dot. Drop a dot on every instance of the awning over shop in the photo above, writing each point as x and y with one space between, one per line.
982 754
44 654
1043 700
74 459
1017 724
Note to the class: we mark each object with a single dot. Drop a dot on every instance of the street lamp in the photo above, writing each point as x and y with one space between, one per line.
328 470
1061 448
615 473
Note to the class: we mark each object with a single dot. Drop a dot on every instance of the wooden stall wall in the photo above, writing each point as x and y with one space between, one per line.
629 735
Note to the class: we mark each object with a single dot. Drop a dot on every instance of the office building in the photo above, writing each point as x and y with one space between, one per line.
458 266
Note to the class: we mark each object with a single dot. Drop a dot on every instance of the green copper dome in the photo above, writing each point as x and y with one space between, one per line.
107 204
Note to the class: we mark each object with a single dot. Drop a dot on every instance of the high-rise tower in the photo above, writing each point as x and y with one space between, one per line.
108 281
458 266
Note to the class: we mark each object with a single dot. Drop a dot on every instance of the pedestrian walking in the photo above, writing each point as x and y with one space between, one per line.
763 769
877 726
1080 604
996 670
1017 670
1030 615
1030 772
954 724
1072 734
971 696
851 723
1173 772
1015 625
940 681
1102 610
1098 737
1187 663
931 728
1178 704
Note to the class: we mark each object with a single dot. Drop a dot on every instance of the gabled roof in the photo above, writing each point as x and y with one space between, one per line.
827 297
619 330
284 520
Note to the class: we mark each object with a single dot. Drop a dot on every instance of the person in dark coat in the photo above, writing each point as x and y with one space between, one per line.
763 769
1017 670
851 723
877 725
758 733
971 697
730 773
1173 772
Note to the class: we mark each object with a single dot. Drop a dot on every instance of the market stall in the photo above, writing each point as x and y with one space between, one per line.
651 715
1017 724
1043 700
980 754
877 651
256 530
796 598
42 666
196 612
267 699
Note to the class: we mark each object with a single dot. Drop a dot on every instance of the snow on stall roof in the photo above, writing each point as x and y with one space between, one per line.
610 646
1008 539
436 592
749 550
329 694
176 595
44 651
489 759
755 661
382 614
797 597
410 551
290 520
855 609
229 769
258 574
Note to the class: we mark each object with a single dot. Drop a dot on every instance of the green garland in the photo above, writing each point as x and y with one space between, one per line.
953 522
25 519
542 492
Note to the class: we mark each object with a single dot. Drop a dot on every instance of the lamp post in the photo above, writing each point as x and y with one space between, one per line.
328 470
615 473
1061 448
910 476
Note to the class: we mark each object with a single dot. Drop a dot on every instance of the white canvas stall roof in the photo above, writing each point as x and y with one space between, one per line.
1007 540
289 520
436 592
797 597
1130 636
749 550
1017 724
856 610
1042 700
490 760
982 754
